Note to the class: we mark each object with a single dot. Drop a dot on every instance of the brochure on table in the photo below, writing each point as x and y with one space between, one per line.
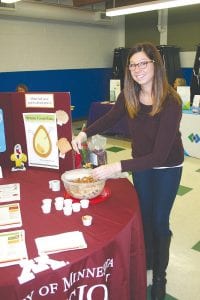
13 248
10 216
9 192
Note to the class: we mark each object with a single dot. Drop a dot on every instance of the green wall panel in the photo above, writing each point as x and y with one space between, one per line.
141 27
183 27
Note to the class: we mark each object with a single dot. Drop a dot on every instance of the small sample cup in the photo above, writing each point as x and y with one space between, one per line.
84 203
59 199
76 207
54 185
68 202
59 203
46 209
47 201
87 220
67 210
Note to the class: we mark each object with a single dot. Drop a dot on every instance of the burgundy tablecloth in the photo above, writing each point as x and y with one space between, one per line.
98 109
113 265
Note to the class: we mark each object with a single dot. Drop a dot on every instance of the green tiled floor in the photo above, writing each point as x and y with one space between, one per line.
197 247
115 149
183 190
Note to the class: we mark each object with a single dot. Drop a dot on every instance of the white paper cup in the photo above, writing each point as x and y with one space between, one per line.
59 203
47 201
54 185
58 206
84 203
46 208
87 220
68 202
76 207
67 210
59 200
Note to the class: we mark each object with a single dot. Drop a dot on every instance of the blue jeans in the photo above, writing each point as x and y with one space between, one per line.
156 189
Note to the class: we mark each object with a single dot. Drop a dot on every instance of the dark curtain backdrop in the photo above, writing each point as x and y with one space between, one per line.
195 82
119 64
171 60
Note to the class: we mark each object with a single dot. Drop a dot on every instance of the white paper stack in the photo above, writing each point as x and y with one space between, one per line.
61 242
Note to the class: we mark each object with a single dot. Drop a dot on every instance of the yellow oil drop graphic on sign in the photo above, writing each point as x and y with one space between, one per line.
41 142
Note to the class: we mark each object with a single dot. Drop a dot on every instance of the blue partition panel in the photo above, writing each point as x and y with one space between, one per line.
85 85
187 74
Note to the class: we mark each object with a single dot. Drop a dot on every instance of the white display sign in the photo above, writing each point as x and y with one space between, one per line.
184 92
41 139
115 89
39 100
196 104
190 130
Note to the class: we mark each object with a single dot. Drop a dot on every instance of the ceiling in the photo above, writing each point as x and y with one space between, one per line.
91 5
95 5
78 3
108 3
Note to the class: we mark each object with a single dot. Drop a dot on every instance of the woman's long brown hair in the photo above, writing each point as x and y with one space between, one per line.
160 87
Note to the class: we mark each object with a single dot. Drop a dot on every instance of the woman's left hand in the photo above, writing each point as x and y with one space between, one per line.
106 171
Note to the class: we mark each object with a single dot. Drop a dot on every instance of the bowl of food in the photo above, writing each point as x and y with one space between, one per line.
80 184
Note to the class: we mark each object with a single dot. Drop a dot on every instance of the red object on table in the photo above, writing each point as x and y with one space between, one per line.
111 267
102 197
78 160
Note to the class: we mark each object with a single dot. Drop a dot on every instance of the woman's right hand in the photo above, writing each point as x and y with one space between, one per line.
78 140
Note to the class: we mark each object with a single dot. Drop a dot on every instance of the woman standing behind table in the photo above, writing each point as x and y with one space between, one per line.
154 112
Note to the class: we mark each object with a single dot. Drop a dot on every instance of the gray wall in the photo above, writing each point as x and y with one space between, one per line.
31 43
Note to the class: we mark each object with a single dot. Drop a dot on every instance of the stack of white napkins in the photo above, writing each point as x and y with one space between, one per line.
60 242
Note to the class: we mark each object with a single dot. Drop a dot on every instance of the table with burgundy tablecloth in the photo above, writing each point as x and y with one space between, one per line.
98 109
190 130
111 267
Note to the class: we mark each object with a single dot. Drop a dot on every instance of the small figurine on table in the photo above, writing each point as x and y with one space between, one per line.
19 158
